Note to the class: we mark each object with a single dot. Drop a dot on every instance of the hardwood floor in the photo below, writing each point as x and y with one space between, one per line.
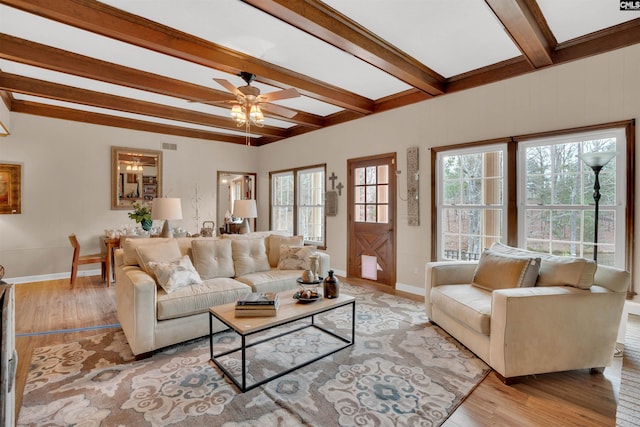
576 398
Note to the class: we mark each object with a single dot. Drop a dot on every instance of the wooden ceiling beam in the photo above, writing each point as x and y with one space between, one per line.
39 55
56 112
111 22
527 27
327 24
34 87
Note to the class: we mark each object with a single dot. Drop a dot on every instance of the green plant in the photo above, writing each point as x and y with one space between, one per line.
141 213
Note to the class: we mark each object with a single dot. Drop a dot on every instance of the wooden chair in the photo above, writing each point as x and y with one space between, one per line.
85 259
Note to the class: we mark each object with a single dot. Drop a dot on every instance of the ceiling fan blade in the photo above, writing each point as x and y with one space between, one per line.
228 86
280 94
277 109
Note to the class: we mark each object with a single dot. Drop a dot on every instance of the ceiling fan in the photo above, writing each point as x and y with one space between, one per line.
249 102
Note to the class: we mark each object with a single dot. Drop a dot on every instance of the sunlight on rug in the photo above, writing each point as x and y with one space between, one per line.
401 371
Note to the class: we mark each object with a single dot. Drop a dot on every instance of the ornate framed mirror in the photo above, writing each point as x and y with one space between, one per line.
234 186
136 176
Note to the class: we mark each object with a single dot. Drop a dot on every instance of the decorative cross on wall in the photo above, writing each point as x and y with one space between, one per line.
333 178
340 187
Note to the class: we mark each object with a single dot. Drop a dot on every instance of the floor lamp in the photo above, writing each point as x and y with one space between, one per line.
166 208
596 161
245 209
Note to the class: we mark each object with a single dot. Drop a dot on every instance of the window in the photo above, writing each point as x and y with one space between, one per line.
297 203
372 194
536 193
556 205
471 201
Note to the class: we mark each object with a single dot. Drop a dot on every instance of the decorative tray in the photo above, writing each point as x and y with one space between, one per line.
303 300
315 282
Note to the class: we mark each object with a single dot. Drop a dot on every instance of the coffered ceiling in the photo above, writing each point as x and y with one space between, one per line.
141 64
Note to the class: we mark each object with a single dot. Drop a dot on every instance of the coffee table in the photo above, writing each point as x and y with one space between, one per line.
290 311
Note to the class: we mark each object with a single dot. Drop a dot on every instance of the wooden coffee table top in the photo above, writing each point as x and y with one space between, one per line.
290 309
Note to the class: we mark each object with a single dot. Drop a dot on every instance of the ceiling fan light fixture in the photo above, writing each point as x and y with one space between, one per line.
256 115
238 115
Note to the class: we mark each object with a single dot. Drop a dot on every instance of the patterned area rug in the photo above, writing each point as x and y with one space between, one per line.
628 411
402 371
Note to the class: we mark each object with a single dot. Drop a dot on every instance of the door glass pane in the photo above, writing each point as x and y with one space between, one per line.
359 176
383 214
371 213
359 213
371 193
371 175
359 196
383 194
383 174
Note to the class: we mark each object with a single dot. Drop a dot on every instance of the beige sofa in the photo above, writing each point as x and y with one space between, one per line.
527 313
227 267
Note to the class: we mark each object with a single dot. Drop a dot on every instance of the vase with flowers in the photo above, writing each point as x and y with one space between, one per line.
142 214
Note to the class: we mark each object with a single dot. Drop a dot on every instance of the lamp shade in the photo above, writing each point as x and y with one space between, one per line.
245 209
166 208
597 158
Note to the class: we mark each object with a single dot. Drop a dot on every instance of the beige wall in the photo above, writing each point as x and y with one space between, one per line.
596 90
67 164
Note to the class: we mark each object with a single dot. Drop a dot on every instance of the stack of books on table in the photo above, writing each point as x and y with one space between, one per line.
257 304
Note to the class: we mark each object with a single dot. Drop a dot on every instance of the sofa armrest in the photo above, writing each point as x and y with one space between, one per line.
549 329
446 273
136 295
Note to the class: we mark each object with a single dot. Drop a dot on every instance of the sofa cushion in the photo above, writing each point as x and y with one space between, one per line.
499 271
197 299
275 241
176 274
212 258
249 256
556 270
467 304
295 257
165 251
130 247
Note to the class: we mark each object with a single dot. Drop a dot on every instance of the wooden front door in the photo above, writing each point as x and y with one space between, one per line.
371 199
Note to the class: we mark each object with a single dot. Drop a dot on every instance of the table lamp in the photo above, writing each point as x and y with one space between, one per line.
245 209
166 208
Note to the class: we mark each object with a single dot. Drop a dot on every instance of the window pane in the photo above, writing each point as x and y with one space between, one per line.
371 175
383 194
359 213
370 194
359 176
383 214
371 213
383 174
538 223
359 194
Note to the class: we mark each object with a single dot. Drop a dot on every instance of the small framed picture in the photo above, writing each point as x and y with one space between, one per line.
10 188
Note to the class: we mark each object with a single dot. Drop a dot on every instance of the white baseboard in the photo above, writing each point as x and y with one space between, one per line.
52 276
409 289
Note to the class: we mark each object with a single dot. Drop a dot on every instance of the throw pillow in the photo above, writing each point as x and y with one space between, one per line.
497 271
295 257
556 270
165 251
276 240
176 274
212 258
249 256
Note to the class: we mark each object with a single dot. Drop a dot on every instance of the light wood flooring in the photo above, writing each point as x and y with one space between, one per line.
574 398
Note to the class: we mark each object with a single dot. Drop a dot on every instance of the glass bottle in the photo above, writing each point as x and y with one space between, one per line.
331 286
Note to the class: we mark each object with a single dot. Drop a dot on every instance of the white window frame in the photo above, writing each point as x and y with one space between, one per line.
440 206
318 221
621 188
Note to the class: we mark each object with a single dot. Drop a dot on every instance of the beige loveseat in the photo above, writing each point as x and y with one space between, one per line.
527 313
227 267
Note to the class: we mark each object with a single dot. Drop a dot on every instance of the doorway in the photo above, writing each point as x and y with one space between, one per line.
371 196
